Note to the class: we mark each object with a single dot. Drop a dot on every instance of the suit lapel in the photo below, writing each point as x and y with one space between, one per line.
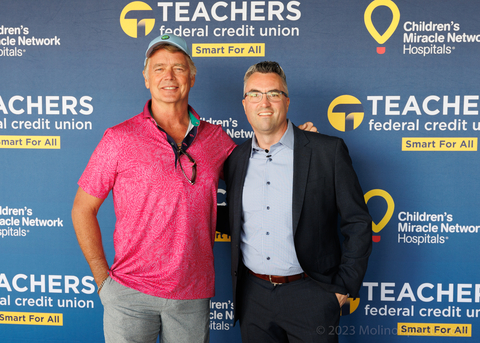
301 167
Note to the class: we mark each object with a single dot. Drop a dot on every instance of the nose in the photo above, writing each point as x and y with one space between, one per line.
265 101
169 74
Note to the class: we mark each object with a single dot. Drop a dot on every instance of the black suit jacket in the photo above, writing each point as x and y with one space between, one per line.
325 190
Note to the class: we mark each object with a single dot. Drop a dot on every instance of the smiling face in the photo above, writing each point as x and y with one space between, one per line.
268 119
168 77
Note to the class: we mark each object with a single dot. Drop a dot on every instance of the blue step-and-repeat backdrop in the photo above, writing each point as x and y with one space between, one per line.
398 80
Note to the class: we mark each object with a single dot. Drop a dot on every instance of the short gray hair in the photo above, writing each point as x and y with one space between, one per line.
266 67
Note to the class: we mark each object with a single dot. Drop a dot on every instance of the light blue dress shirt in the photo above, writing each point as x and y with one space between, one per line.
267 236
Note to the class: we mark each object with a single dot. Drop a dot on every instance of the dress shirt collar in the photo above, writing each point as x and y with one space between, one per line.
286 140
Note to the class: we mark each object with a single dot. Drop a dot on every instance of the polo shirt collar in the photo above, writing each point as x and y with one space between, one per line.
194 117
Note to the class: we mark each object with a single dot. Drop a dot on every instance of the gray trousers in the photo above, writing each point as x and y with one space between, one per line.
131 316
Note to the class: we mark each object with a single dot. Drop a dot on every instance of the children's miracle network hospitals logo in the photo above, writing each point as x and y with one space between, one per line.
137 19
377 227
381 38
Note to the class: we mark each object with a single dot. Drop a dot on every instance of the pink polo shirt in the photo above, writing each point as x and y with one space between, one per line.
165 227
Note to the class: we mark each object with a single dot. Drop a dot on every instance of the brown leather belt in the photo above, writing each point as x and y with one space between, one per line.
278 280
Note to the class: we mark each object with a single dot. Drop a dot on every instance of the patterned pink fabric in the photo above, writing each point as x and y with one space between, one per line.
165 227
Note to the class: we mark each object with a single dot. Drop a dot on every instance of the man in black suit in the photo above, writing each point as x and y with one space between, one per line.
286 190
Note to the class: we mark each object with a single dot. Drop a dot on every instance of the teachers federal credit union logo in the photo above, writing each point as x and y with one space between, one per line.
345 113
395 19
137 19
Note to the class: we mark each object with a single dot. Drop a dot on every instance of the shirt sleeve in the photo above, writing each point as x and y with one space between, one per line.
99 175
228 145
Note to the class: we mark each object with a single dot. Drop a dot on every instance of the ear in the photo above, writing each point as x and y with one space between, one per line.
192 81
147 84
244 105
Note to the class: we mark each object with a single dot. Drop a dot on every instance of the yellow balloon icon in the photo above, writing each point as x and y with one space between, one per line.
391 28
388 214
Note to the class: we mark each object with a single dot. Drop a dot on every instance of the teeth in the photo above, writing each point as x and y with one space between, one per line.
169 87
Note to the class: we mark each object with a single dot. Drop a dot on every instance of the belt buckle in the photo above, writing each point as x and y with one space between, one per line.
273 283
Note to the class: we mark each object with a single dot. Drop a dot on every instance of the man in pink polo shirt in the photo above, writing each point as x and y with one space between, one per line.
163 167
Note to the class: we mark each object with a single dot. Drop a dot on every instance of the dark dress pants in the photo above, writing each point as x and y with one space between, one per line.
299 311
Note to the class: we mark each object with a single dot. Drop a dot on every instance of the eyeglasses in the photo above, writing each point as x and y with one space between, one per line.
272 96
193 164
